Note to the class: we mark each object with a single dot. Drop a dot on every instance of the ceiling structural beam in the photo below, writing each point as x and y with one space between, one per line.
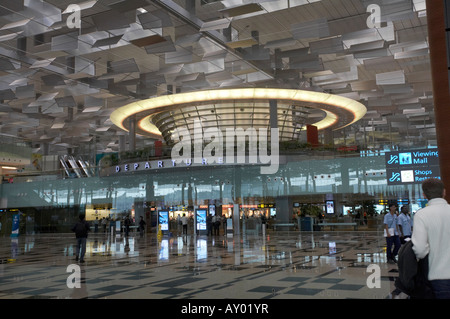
217 37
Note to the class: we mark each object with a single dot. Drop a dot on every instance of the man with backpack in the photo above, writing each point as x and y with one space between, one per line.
81 229
431 236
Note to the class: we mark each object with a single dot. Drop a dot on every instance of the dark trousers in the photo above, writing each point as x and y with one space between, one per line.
441 288
216 228
81 248
393 240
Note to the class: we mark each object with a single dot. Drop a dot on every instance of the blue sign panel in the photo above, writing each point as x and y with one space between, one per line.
163 219
400 159
15 225
403 167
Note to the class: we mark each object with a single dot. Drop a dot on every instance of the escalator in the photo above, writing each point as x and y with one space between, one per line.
76 167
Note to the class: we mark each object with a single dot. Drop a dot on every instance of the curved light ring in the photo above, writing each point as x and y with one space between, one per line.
146 125
121 114
328 121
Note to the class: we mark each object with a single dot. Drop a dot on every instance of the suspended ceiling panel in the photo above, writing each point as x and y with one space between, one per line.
66 82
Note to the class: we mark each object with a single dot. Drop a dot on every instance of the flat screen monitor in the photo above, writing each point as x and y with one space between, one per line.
330 207
212 210
163 219
273 212
200 215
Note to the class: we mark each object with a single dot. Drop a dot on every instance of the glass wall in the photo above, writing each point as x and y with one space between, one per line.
348 181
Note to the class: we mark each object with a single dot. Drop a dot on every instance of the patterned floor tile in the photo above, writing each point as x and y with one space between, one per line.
280 265
304 291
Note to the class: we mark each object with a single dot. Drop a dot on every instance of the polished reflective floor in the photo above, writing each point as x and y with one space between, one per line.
279 265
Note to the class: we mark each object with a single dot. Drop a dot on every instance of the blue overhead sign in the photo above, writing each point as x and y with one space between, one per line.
398 159
415 166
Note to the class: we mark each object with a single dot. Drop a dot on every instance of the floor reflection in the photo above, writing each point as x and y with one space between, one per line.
289 263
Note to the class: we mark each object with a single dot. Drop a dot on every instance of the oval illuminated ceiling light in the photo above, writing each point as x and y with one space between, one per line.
338 111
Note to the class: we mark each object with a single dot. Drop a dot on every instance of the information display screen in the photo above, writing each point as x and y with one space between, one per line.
415 166
163 219
212 210
200 215
330 207
273 212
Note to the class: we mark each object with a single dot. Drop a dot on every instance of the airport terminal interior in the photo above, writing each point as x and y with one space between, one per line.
281 130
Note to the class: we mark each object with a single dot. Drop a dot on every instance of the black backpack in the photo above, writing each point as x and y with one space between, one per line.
413 274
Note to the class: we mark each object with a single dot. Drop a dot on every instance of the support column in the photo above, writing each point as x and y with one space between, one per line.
45 148
439 73
328 137
273 113
132 134
122 143
236 220
285 209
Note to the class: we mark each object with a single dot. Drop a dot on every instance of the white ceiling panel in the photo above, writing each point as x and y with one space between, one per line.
131 50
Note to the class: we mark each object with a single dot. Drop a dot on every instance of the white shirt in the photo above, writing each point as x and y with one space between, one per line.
431 236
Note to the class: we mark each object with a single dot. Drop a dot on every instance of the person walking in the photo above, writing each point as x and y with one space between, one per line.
404 224
127 223
96 225
209 223
141 226
184 223
391 234
263 224
224 225
215 224
81 229
179 224
431 236
104 224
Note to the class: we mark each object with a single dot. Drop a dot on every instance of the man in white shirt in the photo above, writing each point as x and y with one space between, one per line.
184 222
431 236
